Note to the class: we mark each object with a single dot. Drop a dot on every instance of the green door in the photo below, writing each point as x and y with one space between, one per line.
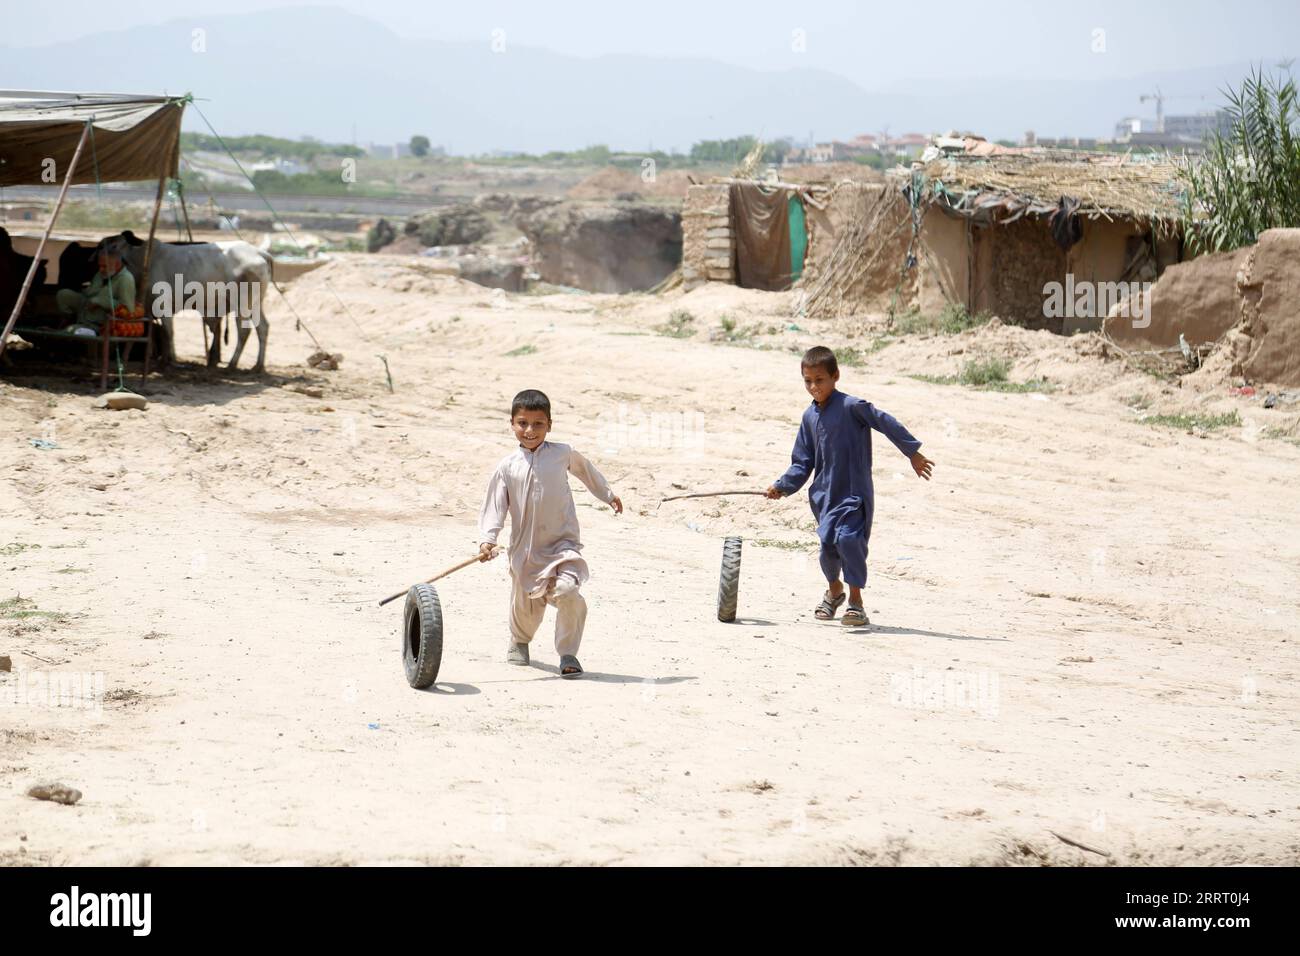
798 238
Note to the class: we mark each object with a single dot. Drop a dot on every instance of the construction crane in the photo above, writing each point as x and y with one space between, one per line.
1160 107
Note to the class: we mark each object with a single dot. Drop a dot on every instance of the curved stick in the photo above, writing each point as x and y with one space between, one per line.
708 494
455 567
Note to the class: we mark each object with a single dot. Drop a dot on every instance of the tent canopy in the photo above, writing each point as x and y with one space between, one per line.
133 136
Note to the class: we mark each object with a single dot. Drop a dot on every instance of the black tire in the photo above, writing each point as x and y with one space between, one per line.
422 636
729 583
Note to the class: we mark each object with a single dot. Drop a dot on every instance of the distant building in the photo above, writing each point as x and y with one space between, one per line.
1133 124
909 144
1066 142
288 167
1186 131
398 150
820 153
1197 126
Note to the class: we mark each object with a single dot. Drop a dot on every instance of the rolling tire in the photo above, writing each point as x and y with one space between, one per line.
729 583
422 636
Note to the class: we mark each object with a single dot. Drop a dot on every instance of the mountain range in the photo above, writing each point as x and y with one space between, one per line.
340 77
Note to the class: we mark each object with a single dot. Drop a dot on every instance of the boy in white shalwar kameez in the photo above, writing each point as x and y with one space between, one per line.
531 485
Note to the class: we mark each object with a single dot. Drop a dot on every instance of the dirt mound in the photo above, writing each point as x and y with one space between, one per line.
1197 299
405 246
1076 364
512 208
613 183
363 289
1269 286
1245 300
453 226
605 247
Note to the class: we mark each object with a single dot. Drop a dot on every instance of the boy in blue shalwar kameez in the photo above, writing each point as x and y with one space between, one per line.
834 446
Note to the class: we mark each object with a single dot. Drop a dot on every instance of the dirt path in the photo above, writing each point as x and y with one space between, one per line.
1084 625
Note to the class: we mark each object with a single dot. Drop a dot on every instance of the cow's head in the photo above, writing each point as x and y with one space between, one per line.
119 244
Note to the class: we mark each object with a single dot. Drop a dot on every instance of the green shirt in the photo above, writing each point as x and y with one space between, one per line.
107 293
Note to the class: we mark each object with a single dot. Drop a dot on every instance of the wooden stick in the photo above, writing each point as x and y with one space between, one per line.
43 660
180 188
455 567
1081 846
711 494
153 229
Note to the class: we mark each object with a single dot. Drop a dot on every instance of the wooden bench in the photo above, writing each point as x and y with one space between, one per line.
102 340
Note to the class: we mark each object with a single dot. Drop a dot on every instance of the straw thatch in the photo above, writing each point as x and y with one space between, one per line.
1004 188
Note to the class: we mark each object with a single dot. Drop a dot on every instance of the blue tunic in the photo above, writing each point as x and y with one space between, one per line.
834 446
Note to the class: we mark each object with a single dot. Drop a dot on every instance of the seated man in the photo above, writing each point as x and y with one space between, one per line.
111 287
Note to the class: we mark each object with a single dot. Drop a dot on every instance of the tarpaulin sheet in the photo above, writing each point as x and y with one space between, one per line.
134 137
762 228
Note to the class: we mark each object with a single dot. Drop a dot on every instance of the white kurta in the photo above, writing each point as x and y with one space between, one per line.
532 487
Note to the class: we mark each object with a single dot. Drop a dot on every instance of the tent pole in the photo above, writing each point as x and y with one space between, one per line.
153 228
185 211
49 227
142 293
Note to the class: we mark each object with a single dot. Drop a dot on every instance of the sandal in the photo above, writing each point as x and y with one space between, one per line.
569 666
854 616
826 610
518 654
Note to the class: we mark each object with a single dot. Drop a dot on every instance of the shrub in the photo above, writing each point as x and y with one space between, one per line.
680 325
1248 181
380 235
1191 421
987 371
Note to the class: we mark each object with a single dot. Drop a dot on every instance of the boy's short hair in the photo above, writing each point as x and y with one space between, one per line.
819 356
530 399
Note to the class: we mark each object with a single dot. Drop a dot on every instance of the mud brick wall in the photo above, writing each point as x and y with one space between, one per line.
708 243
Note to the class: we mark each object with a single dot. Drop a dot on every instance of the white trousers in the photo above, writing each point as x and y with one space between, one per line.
562 594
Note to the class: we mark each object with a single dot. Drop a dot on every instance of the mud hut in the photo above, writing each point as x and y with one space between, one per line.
990 233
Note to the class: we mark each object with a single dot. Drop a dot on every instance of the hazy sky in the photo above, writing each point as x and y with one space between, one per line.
874 44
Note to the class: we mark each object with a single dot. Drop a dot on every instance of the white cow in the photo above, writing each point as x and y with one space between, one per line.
216 278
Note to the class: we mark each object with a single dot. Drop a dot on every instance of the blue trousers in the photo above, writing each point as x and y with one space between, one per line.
847 554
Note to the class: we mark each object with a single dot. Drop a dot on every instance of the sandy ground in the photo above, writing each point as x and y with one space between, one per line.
1084 624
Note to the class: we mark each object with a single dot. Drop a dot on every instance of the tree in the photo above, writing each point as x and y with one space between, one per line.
419 146
722 150
1249 180
776 151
